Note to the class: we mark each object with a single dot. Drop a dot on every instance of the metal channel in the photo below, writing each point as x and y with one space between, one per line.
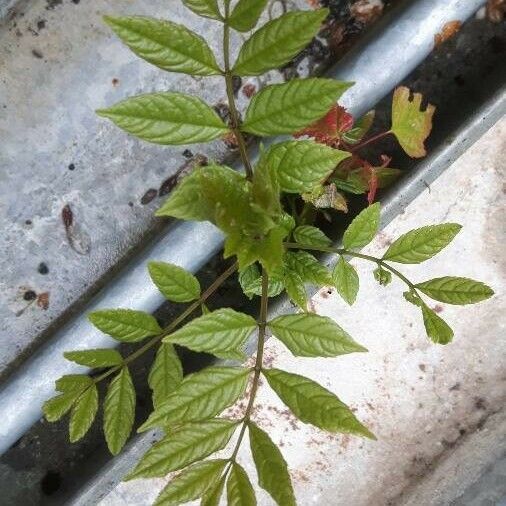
390 53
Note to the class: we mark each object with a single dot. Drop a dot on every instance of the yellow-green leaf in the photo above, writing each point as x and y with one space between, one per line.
83 413
455 290
346 280
246 13
166 373
204 8
437 329
363 228
95 358
175 283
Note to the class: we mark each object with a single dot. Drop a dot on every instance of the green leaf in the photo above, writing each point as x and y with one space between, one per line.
382 276
313 404
277 42
288 107
201 395
175 283
455 290
222 333
295 290
192 483
189 444
246 14
125 325
204 8
95 358
412 297
346 280
422 243
310 236
166 373
311 335
167 45
212 496
265 187
301 166
239 489
166 118
83 413
308 268
363 228
73 383
271 467
360 128
250 280
410 125
119 411
437 329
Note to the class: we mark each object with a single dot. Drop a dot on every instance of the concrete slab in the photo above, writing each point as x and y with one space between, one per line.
425 403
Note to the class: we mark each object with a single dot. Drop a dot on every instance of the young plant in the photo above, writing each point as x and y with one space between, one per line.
267 216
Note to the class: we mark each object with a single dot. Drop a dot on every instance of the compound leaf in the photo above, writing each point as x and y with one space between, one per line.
313 404
246 14
278 41
288 107
311 335
119 411
363 228
175 283
212 496
422 243
346 280
410 125
222 332
167 45
308 268
166 373
189 444
437 329
200 395
455 290
239 489
250 280
310 236
204 8
166 118
295 290
125 325
95 358
83 413
191 483
271 467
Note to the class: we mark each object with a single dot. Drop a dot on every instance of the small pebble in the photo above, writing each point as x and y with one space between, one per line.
29 295
43 268
72 166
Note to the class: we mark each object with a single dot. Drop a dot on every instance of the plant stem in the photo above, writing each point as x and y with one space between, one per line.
343 251
258 362
372 139
234 115
173 324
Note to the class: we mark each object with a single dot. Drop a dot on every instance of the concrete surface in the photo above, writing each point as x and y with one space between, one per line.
438 412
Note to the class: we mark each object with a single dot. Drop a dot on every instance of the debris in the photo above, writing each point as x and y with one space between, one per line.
42 268
496 10
149 196
43 300
447 32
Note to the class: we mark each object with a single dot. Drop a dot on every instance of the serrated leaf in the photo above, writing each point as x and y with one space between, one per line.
189 444
308 268
119 411
410 125
73 383
204 8
166 118
313 404
346 280
360 128
250 280
246 14
166 373
239 489
201 395
191 483
125 325
455 290
311 335
288 107
310 236
437 329
222 333
95 358
265 187
83 413
71 387
277 42
363 228
271 467
301 166
422 243
382 276
167 45
175 283
295 290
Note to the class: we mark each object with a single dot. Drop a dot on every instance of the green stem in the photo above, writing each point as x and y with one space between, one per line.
234 115
258 362
343 251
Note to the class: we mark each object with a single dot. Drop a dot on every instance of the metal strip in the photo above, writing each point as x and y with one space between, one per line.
376 66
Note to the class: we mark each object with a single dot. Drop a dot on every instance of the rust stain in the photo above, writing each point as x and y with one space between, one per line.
43 300
447 32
